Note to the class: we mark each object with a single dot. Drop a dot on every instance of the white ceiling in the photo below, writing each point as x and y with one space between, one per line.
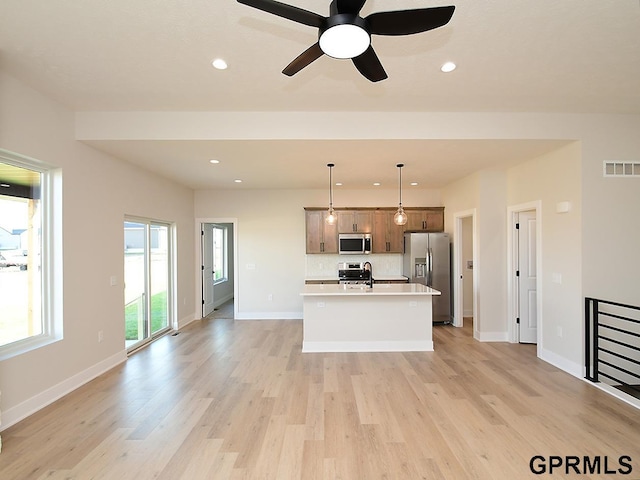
579 56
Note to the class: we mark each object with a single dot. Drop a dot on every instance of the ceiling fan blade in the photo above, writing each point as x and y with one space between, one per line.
368 64
346 6
305 58
407 22
286 11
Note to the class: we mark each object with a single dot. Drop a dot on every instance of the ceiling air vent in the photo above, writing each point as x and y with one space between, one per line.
621 169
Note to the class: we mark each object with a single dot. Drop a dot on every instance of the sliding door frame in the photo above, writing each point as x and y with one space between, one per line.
150 335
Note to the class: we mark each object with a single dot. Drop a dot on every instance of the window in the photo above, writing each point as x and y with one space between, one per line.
220 259
27 250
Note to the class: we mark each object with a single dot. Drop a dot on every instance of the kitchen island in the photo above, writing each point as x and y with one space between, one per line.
358 318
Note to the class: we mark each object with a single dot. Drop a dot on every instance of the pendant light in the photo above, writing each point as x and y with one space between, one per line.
400 218
331 214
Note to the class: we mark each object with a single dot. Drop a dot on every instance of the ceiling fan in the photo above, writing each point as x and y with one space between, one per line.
345 34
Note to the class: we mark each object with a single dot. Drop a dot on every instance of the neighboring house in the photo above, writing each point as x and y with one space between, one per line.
11 240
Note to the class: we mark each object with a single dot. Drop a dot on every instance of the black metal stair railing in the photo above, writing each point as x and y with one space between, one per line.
612 348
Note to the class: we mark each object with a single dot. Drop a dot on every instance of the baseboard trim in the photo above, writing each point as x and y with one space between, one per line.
620 395
183 322
222 300
572 368
324 347
21 411
491 336
268 316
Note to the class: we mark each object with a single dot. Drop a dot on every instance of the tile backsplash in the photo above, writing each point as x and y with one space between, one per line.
327 265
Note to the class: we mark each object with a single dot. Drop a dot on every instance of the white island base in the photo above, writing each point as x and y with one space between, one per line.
385 318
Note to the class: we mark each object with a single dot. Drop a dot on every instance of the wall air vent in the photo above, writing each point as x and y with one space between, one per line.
621 169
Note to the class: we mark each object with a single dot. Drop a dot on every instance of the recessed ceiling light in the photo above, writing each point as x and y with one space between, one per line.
448 67
376 184
338 184
219 64
214 161
414 184
238 181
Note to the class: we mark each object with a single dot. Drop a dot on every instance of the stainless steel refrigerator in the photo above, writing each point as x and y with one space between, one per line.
427 260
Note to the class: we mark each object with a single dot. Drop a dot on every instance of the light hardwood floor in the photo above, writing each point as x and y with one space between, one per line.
238 400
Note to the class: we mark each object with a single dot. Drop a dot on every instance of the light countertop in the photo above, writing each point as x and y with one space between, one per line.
361 290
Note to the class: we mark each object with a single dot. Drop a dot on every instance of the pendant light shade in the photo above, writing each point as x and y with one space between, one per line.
400 218
332 218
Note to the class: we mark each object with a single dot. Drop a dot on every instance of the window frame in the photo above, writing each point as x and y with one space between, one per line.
51 282
225 253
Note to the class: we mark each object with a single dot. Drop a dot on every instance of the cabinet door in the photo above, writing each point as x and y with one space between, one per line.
415 220
434 220
395 236
387 237
428 220
355 221
379 237
314 220
321 237
329 235
363 220
345 221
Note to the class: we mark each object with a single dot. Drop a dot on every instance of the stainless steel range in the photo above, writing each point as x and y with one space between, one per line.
354 272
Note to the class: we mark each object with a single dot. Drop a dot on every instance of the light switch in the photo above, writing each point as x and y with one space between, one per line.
113 280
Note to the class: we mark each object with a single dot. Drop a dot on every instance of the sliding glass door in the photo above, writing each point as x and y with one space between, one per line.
147 247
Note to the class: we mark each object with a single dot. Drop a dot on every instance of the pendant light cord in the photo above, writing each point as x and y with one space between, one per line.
330 165
400 165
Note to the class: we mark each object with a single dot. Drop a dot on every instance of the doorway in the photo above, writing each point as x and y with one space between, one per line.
148 287
217 269
465 272
524 266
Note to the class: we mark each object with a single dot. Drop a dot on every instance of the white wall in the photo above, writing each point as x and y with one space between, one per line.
484 191
551 179
98 191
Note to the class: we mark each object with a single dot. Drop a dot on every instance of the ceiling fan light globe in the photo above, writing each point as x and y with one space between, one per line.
344 41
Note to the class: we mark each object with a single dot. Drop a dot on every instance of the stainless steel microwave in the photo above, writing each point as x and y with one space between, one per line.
354 243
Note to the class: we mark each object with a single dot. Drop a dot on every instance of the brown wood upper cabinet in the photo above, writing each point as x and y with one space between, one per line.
429 219
321 237
387 237
355 221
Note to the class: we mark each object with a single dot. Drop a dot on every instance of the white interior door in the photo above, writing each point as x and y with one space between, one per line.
526 275
207 269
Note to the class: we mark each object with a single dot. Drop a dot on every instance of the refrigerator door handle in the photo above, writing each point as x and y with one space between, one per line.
430 283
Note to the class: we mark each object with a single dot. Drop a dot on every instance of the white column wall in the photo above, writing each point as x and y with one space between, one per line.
98 191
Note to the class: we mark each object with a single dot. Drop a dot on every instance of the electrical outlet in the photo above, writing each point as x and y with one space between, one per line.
559 331
100 336
270 297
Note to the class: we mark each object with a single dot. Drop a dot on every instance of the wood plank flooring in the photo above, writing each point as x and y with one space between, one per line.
238 400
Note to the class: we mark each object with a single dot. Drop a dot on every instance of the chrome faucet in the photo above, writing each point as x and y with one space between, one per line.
369 269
